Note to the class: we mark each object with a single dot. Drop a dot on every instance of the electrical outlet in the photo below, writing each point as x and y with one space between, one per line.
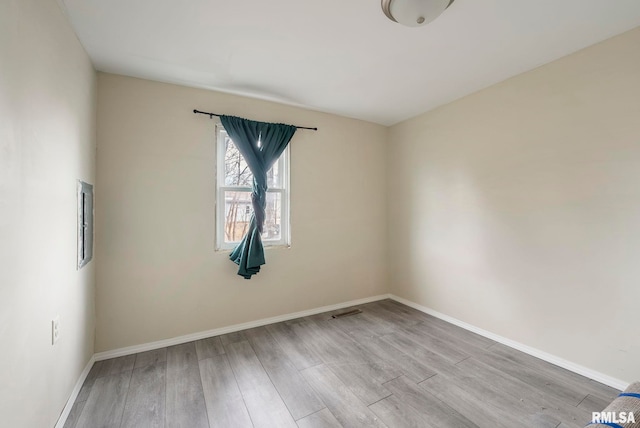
55 330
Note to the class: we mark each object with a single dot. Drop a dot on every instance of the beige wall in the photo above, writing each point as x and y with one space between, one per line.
47 142
158 275
517 209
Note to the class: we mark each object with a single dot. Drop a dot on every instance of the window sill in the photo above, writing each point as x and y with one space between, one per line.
266 248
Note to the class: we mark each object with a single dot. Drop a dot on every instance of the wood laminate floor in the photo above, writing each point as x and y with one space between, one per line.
390 366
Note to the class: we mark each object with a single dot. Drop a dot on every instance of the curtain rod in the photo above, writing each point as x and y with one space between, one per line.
218 115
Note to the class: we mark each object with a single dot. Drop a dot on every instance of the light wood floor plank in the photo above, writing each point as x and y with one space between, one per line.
472 406
365 379
395 413
539 402
225 405
301 356
265 405
446 329
408 365
74 415
592 403
358 321
565 376
343 404
543 380
117 365
148 358
145 406
322 419
235 337
210 347
435 362
106 401
594 387
300 399
330 343
466 341
382 311
440 345
185 407
500 393
434 411
375 325
89 381
379 325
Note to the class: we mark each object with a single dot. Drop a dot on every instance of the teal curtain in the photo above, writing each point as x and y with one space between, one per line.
261 145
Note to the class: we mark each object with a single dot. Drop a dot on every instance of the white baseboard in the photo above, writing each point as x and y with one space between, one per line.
560 362
74 394
230 329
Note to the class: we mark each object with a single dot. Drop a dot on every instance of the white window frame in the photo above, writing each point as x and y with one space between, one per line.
285 227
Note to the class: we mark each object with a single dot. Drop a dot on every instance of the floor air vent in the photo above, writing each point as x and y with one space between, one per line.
347 314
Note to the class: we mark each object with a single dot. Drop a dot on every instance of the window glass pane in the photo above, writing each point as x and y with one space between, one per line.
236 170
274 175
273 221
238 210
237 214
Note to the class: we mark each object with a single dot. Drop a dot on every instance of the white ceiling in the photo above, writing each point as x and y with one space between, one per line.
340 56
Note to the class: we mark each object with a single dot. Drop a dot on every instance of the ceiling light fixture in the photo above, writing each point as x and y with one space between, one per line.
414 13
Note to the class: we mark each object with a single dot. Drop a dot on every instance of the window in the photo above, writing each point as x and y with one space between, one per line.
233 200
